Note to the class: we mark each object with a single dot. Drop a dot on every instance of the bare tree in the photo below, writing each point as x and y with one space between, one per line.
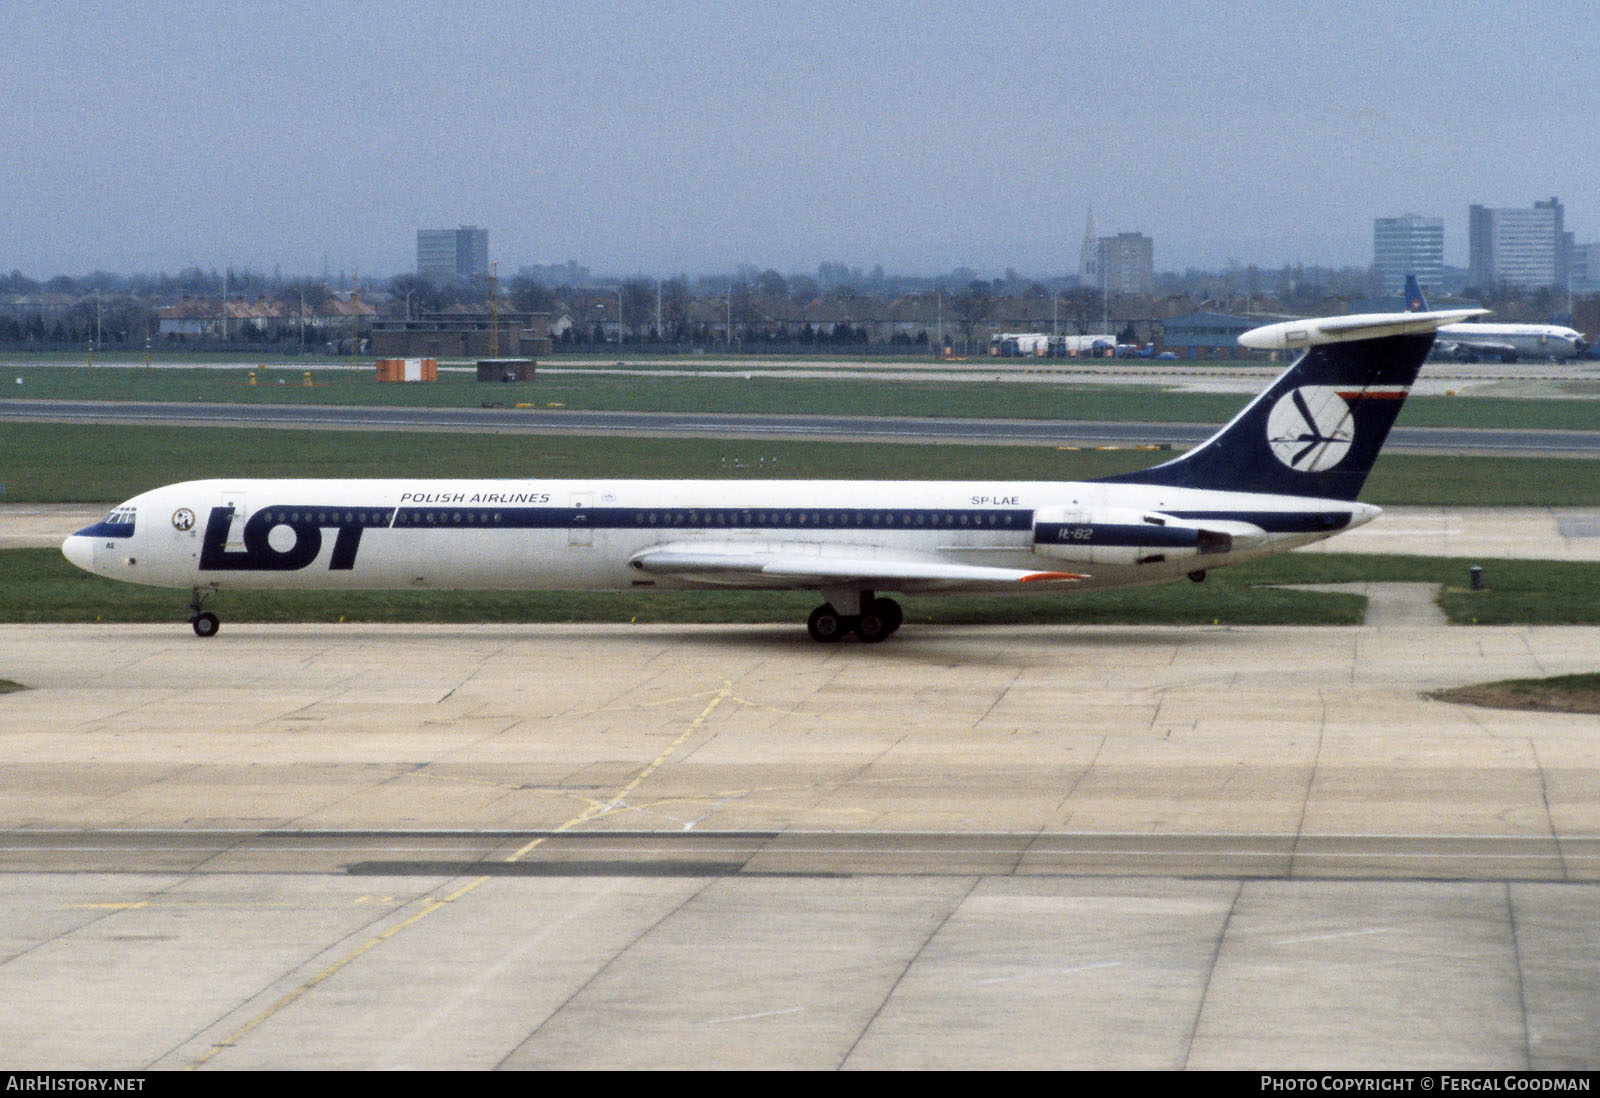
972 307
638 305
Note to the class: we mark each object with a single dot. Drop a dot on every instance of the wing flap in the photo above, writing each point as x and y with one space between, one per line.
768 565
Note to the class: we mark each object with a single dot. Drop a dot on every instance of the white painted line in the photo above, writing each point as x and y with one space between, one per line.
1332 937
753 1017
1049 972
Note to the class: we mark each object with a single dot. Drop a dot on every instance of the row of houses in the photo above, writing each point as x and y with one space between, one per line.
589 317
467 332
198 318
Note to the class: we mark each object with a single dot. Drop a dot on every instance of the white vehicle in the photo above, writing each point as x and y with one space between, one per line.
1020 345
1506 342
1042 345
1283 473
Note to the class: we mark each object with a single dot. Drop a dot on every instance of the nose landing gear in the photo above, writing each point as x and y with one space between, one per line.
205 623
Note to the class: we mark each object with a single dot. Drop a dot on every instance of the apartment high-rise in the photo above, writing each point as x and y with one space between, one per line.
453 255
1517 247
1583 268
1127 263
1405 246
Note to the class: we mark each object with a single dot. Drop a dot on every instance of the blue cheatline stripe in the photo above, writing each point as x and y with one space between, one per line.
1107 533
782 519
712 518
323 514
1275 522
106 530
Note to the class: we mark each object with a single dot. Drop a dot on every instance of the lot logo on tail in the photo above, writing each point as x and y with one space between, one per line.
1310 429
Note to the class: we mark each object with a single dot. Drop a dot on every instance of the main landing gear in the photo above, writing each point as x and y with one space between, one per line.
872 622
205 623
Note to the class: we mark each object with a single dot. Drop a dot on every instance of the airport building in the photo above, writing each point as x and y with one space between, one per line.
1408 245
1213 335
1518 247
453 255
463 333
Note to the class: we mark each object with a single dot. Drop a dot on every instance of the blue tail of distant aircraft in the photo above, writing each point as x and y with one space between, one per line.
1415 302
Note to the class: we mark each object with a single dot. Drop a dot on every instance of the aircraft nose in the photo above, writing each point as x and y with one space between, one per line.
80 551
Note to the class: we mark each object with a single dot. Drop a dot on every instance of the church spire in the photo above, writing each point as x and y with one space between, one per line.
1089 262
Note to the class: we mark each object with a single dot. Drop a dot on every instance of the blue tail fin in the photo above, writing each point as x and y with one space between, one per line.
1415 302
1315 432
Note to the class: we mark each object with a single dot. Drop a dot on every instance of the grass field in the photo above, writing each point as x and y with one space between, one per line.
108 463
60 463
1516 592
1557 694
38 585
734 393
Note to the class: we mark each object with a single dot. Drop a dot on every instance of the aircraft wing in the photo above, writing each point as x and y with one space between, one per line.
769 564
1291 334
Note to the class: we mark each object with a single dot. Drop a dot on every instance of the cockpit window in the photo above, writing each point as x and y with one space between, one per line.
118 523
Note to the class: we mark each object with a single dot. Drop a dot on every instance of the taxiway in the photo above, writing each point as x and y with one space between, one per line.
943 430
547 846
630 846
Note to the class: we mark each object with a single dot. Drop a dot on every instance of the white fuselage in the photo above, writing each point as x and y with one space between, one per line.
591 534
1530 340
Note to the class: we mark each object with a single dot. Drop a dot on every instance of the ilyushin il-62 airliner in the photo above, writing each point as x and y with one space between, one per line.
1506 342
1283 473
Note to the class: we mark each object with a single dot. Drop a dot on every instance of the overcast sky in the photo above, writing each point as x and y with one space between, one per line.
663 138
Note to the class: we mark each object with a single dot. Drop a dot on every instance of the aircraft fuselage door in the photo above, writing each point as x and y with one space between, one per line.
579 529
236 501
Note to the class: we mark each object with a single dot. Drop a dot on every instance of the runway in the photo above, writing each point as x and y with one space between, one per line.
1043 432
628 846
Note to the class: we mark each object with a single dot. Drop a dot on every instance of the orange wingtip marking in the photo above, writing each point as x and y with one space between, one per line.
1053 576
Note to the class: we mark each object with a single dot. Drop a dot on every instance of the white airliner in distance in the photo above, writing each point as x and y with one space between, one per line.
1507 342
1283 473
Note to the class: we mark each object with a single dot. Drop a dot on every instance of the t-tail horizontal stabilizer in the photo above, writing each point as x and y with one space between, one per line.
1317 430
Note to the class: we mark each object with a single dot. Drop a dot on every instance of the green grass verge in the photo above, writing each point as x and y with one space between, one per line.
1525 592
92 463
592 391
104 463
1558 694
1516 592
129 357
38 585
9 687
